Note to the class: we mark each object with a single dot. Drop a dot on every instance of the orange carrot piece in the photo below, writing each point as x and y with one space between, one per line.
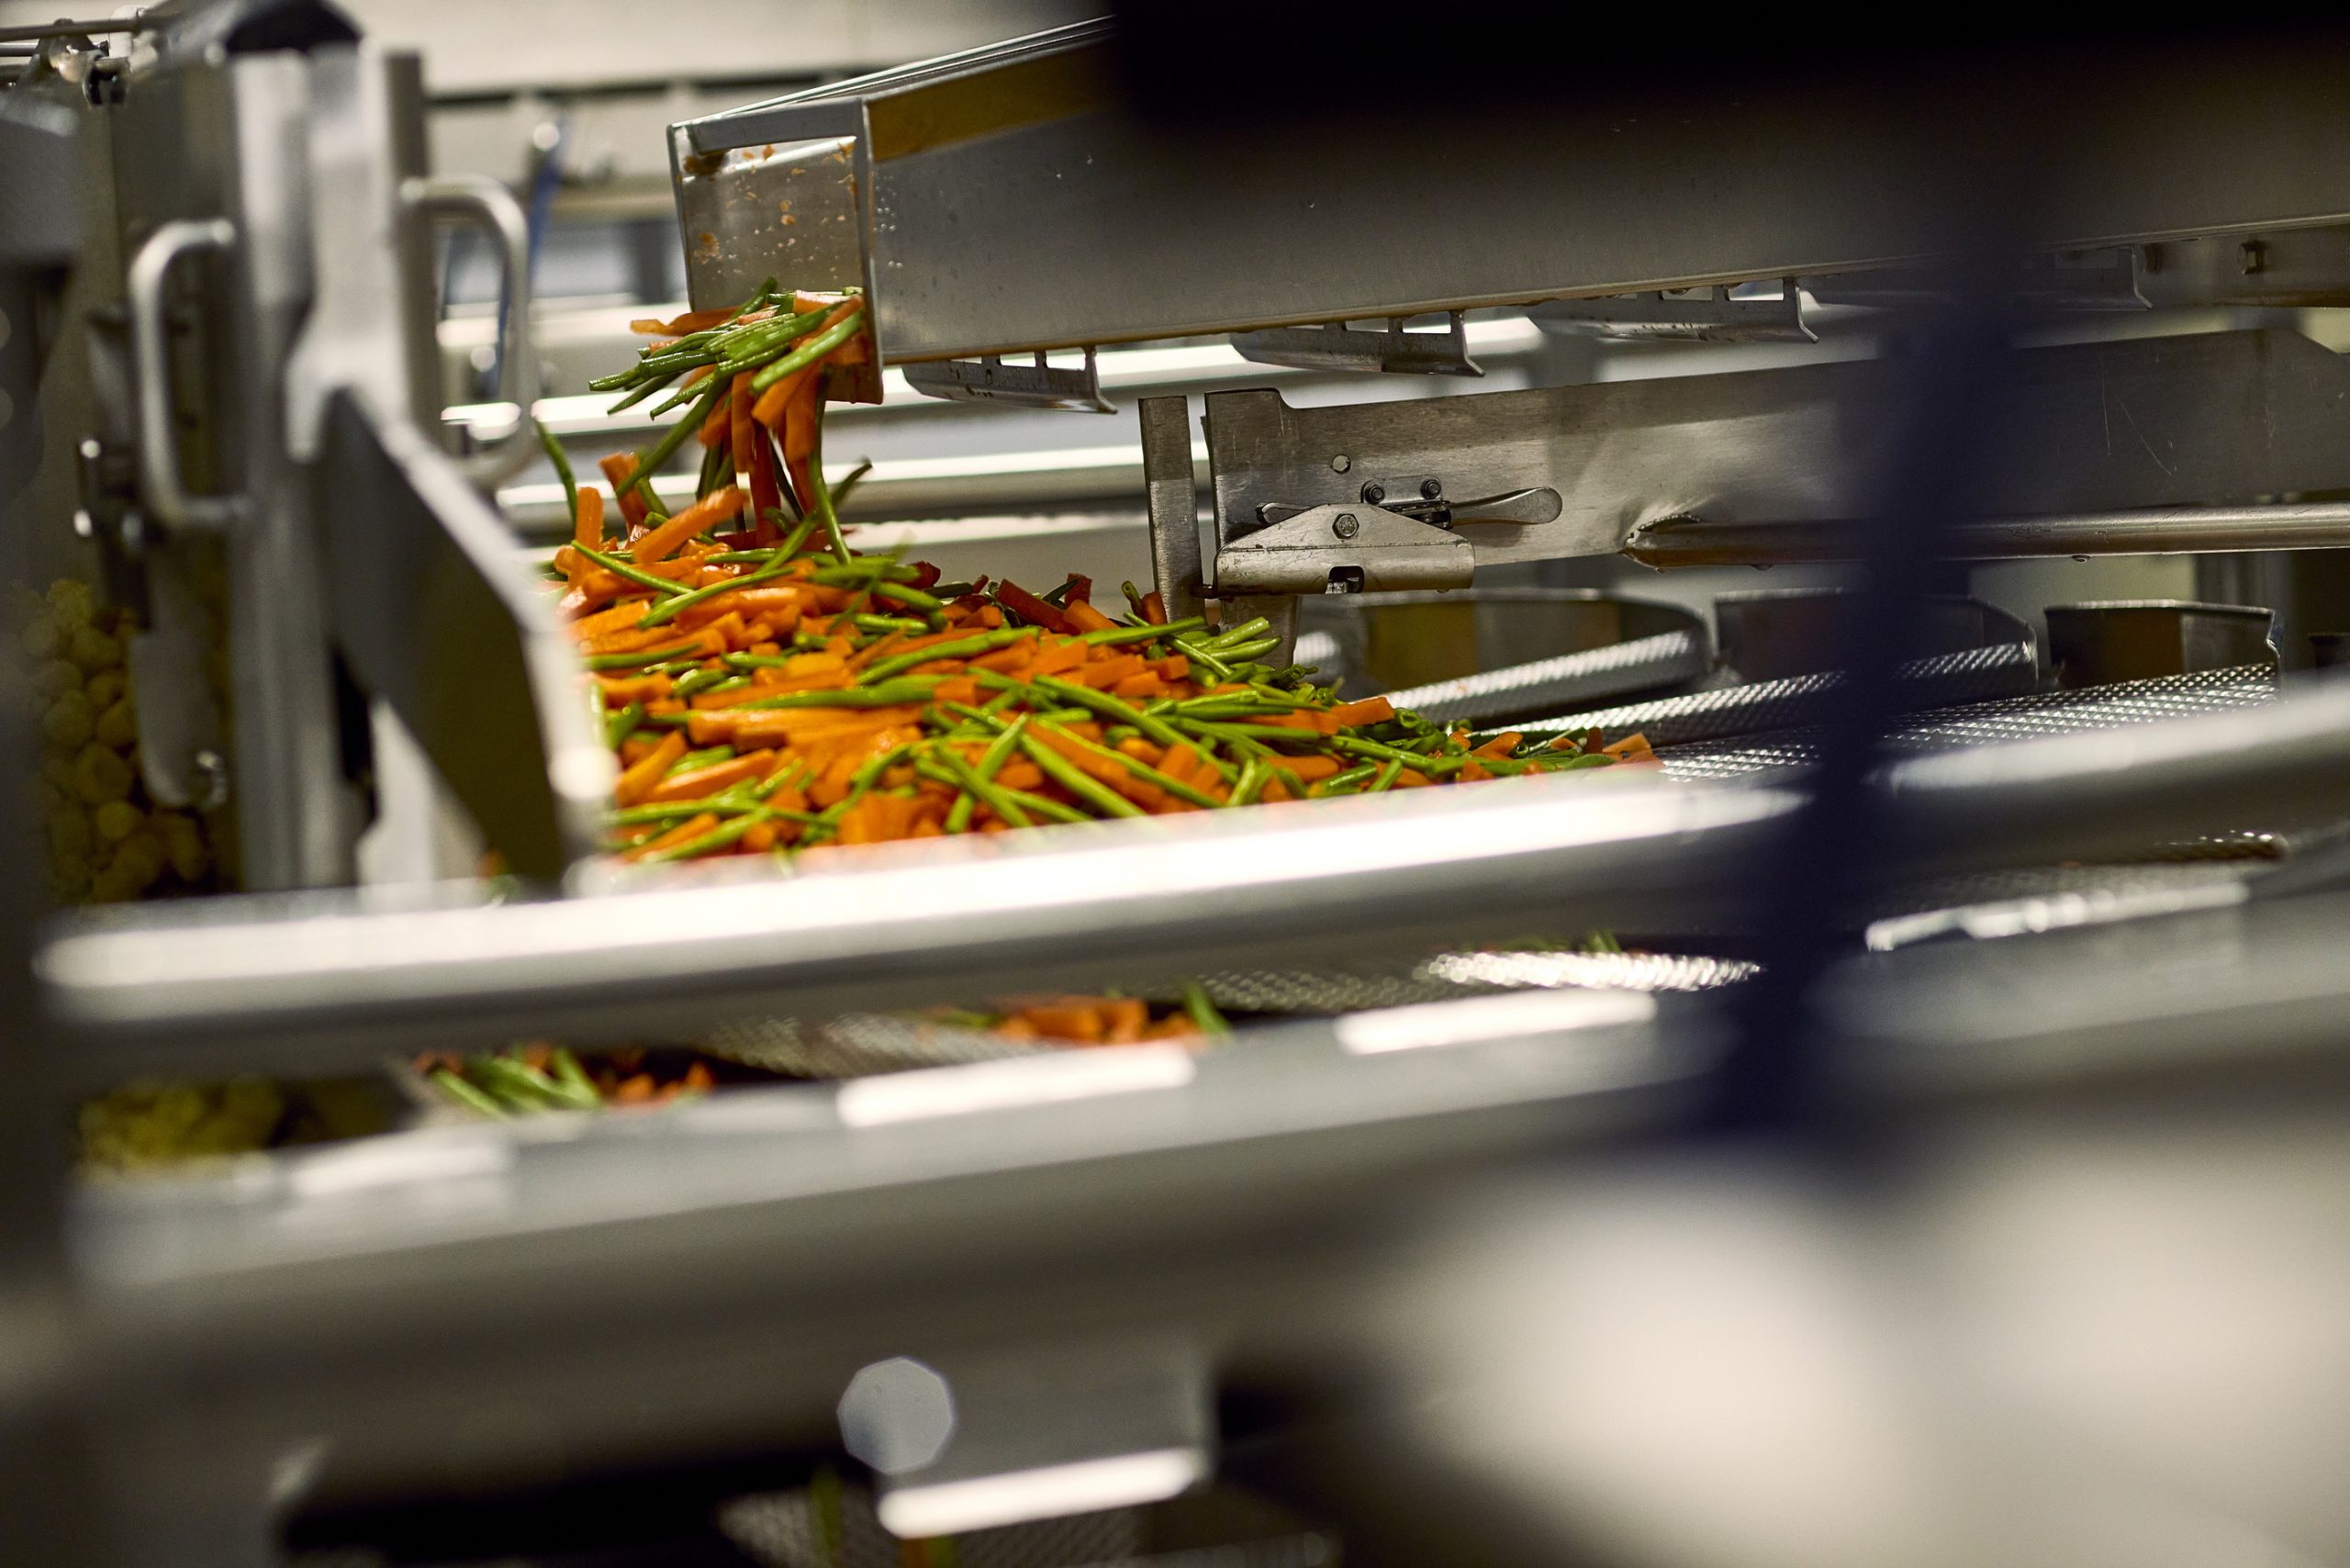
1310 769
1153 608
1369 710
647 771
588 527
708 512
738 403
685 832
1085 617
768 409
1634 744
619 468
1147 683
718 425
802 417
1500 745
699 781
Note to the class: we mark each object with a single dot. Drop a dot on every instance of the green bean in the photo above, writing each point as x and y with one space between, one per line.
911 688
1245 632
1076 780
570 1074
697 680
1388 773
465 1094
1253 775
1120 634
964 776
717 837
650 462
825 512
1344 783
1199 654
525 1082
913 597
1356 746
1038 806
620 568
1202 1013
1109 707
809 353
1138 767
1246 652
562 469
702 758
671 608
634 661
840 492
619 727
887 624
959 648
717 465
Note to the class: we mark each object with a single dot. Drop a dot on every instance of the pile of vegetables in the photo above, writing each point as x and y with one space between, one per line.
768 689
1111 1020
107 842
547 1077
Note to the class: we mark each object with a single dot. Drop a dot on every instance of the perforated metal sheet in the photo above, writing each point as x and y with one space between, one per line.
2011 718
859 1044
1644 664
1768 706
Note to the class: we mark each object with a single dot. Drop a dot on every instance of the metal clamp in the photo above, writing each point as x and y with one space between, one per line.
168 499
493 207
1344 548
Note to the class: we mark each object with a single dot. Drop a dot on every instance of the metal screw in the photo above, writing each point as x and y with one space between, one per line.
1375 492
1345 526
1430 490
1341 463
213 769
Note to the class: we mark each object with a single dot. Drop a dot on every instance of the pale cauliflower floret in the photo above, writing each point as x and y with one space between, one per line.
100 775
70 604
43 639
91 650
139 861
56 678
183 841
106 688
118 820
118 726
69 723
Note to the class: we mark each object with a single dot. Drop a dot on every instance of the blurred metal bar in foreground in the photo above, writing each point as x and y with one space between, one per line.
319 980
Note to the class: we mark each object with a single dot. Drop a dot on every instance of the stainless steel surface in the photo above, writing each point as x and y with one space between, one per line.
901 926
1703 315
2103 643
493 207
964 162
160 485
1172 489
2023 716
432 608
1037 384
1343 547
1337 345
2153 530
1770 633
1687 725
1491 654
1702 467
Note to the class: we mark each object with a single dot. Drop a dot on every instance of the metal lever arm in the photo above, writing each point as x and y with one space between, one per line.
491 206
430 606
161 486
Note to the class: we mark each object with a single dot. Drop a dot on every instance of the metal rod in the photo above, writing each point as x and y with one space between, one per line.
2159 530
34 34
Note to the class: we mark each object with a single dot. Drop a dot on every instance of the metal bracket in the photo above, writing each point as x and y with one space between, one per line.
1686 315
1338 346
2069 282
1035 385
1424 500
1342 548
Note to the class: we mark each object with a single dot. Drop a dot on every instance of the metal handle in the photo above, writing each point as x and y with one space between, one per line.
168 499
493 207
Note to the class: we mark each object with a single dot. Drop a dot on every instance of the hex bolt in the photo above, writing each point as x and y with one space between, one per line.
1375 492
1430 490
1341 463
1345 526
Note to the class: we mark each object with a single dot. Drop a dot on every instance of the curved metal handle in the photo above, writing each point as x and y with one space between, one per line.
159 485
493 207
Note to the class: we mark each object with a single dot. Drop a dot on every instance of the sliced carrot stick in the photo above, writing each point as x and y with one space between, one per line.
767 487
803 416
697 782
1085 617
648 772
1153 608
738 402
619 468
768 409
1369 710
1031 609
718 425
588 527
618 618
708 512
1500 745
